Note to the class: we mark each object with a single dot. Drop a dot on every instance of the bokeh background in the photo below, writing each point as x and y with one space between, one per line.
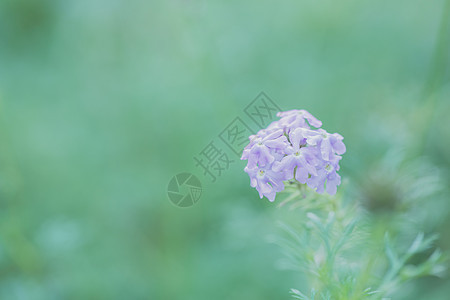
102 102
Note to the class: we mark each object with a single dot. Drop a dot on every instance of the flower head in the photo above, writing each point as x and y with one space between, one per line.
292 149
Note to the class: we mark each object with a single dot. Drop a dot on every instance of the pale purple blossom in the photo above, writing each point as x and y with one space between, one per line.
266 181
327 172
290 149
260 150
297 118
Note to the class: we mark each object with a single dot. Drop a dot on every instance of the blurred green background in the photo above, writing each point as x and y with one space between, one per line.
102 102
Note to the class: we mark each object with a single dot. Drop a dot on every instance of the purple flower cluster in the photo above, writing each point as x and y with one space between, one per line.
291 149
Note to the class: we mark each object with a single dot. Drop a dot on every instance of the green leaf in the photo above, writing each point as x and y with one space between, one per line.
391 255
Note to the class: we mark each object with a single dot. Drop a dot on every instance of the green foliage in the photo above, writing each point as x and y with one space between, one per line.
323 246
